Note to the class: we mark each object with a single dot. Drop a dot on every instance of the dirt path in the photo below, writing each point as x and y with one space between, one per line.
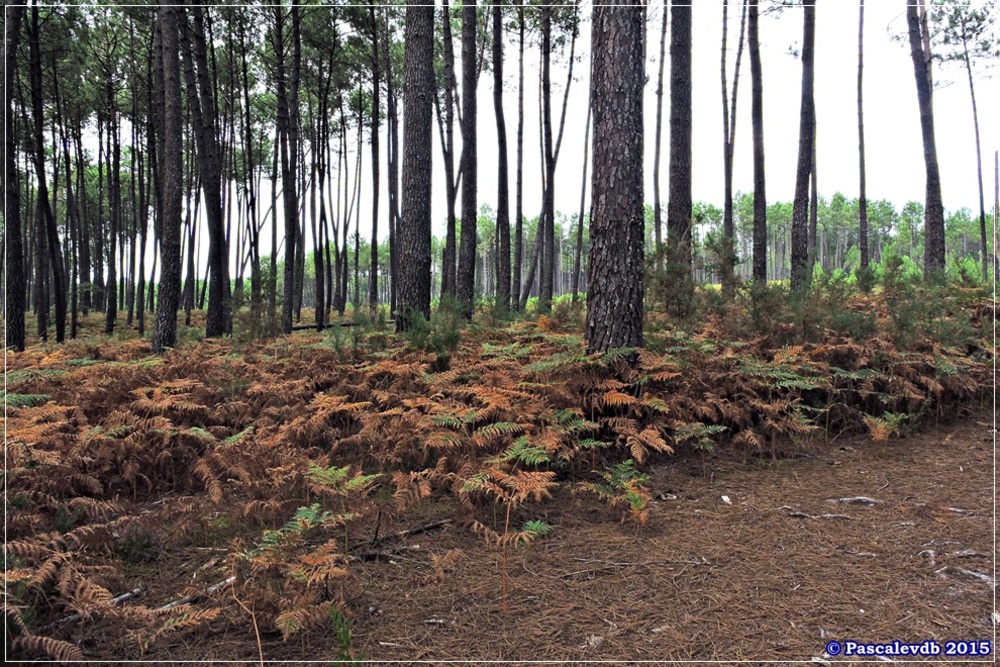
776 574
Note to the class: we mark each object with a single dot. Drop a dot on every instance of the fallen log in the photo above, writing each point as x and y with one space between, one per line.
314 327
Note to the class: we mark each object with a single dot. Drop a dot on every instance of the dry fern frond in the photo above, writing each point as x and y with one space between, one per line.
54 648
299 619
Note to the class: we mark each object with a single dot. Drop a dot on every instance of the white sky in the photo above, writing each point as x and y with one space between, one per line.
894 151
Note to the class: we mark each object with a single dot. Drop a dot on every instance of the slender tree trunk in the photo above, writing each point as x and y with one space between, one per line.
99 230
679 202
46 216
165 329
272 292
415 225
546 223
210 167
515 282
728 263
393 112
800 206
256 295
583 195
287 119
814 243
933 207
448 275
114 207
373 278
466 276
503 204
14 274
757 119
615 289
863 193
657 203
983 252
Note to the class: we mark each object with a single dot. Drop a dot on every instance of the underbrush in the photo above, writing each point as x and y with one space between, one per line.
292 454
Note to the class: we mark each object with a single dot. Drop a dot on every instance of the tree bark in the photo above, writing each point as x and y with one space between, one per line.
414 291
393 111
862 186
614 295
466 277
933 207
373 277
165 329
657 202
503 196
578 255
679 197
448 275
546 223
515 281
14 279
800 206
46 217
757 120
728 263
983 251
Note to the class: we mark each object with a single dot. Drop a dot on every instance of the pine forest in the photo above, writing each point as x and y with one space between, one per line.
467 331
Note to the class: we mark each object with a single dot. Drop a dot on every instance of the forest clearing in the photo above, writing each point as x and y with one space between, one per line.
304 359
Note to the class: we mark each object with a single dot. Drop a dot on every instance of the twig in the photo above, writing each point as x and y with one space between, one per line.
407 533
253 618
803 515
854 500
313 327
73 618
211 590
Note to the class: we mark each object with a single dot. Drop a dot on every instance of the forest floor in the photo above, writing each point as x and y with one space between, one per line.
702 580
353 494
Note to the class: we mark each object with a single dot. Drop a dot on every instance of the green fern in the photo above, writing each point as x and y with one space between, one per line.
524 452
34 374
15 401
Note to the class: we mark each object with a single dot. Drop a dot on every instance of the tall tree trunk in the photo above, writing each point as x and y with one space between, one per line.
503 203
862 194
165 329
657 203
272 291
72 215
614 295
515 281
248 166
679 202
813 205
800 206
448 275
14 278
373 277
201 102
288 121
415 225
983 252
728 263
546 224
933 207
85 265
393 149
114 208
757 120
46 216
583 195
466 276
99 230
